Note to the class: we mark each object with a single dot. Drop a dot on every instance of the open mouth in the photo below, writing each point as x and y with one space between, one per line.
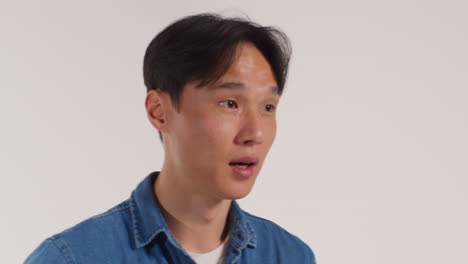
242 165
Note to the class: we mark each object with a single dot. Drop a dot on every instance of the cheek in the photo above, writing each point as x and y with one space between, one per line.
270 133
274 129
215 142
209 133
217 130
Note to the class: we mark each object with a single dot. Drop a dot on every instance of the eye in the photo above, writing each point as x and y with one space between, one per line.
229 104
269 107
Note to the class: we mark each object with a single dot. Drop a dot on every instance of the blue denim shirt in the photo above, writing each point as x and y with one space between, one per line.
136 232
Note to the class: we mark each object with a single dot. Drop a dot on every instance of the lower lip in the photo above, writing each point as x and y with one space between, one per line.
243 173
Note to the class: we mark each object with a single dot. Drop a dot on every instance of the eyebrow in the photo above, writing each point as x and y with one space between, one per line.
237 86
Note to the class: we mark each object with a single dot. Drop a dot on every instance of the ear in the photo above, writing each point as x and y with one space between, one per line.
156 105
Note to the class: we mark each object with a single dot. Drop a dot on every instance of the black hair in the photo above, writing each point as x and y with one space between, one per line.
201 48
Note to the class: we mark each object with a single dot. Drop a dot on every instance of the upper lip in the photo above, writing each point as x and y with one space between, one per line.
246 159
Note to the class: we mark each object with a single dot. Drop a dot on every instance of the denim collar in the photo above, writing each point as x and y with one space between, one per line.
148 221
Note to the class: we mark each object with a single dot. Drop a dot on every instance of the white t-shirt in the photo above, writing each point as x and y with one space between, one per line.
216 256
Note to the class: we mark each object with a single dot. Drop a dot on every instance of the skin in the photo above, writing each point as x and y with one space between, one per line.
232 118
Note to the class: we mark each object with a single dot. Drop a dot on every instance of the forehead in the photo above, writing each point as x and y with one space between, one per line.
249 69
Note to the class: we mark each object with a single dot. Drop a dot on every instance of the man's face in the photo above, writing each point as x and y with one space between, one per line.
221 126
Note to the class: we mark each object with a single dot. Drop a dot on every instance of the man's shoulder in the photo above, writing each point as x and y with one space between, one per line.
272 235
89 237
103 225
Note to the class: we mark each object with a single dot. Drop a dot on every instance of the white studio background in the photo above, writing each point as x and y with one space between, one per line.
370 161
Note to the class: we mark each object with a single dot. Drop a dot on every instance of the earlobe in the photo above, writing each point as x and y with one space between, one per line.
154 104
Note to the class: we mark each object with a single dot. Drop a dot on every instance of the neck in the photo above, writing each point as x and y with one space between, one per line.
198 222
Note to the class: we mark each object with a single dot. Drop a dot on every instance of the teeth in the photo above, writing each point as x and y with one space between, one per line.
244 166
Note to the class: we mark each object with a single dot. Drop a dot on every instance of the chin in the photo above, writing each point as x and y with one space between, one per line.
238 191
237 196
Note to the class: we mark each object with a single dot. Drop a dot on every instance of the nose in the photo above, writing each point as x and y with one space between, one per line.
251 130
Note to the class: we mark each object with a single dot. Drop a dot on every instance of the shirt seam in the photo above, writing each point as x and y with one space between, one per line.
281 229
252 237
63 249
123 206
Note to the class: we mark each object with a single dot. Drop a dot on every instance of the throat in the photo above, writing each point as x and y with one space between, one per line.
197 222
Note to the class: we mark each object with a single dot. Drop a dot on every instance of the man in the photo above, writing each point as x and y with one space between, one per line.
213 87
